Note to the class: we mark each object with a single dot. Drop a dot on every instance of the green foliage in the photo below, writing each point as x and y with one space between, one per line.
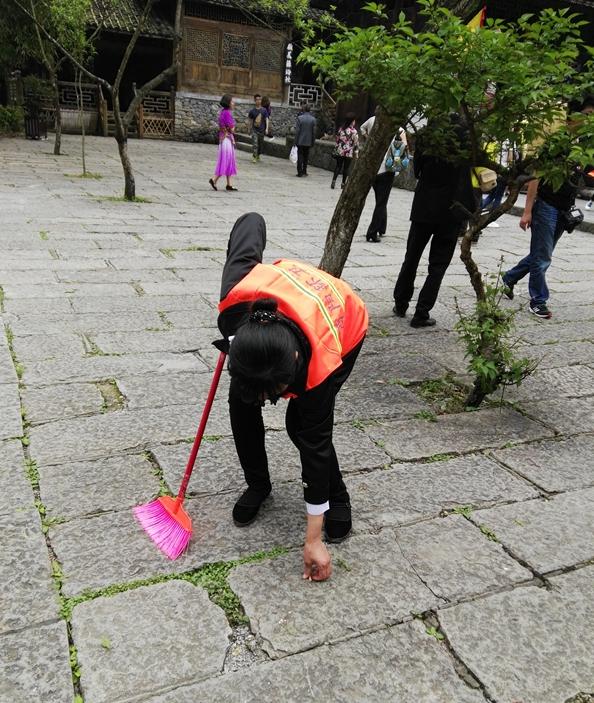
11 119
464 510
445 394
434 632
488 532
490 349
32 473
425 415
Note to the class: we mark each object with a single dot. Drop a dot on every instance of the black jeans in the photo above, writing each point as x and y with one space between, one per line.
382 187
302 159
309 421
443 245
343 163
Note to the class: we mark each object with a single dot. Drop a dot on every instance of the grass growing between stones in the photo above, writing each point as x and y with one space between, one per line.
214 578
120 199
18 367
43 234
157 471
111 395
170 253
1 299
87 174
445 394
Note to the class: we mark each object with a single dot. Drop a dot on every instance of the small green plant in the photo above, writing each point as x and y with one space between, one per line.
87 174
11 119
57 574
212 437
74 665
112 398
445 394
434 632
398 382
105 643
464 510
488 532
121 199
167 324
43 234
341 563
32 473
425 415
440 457
490 349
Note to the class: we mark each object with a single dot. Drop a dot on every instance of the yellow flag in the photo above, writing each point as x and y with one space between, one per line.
478 20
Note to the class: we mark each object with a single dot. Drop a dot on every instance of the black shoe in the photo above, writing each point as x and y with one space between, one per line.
541 311
508 290
333 185
213 185
399 311
337 522
299 175
422 321
247 507
230 188
372 238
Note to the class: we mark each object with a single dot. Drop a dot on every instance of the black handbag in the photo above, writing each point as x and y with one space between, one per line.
571 218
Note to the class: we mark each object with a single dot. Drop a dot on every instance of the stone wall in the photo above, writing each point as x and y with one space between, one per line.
196 117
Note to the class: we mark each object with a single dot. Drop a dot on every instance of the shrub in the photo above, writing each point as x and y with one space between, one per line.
11 119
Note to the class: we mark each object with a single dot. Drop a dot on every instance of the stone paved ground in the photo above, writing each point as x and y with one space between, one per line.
470 574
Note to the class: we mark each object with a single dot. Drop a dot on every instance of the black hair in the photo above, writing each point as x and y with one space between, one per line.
257 95
262 357
306 107
225 101
349 118
265 101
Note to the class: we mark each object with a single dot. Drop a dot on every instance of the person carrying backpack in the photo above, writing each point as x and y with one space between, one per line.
395 160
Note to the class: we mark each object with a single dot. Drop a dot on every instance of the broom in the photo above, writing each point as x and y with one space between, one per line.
164 519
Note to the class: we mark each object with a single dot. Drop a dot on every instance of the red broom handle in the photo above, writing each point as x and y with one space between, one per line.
200 434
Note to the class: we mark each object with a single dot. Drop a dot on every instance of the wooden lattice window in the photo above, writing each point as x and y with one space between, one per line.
268 56
202 45
236 50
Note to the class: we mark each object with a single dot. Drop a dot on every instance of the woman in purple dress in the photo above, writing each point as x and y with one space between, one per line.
226 158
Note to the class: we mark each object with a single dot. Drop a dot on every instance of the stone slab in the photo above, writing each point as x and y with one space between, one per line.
539 644
165 341
27 594
10 411
159 636
548 534
379 401
455 560
566 415
375 586
150 391
97 368
61 401
7 372
397 664
34 666
566 381
555 465
112 548
550 356
102 435
413 439
409 492
203 311
90 487
40 347
86 324
15 489
390 366
218 468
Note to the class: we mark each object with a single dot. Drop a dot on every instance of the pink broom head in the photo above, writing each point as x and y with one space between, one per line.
167 524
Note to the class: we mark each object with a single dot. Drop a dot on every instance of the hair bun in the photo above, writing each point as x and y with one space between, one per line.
268 304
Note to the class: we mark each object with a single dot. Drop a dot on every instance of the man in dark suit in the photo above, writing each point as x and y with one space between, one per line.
444 180
305 136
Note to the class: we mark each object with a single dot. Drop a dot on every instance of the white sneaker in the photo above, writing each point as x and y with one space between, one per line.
589 205
494 225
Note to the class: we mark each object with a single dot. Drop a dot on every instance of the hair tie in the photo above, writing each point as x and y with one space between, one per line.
264 317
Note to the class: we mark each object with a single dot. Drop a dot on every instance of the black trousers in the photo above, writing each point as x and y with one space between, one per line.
343 163
309 421
302 159
382 187
443 236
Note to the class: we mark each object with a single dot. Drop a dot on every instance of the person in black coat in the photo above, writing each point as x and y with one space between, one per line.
305 136
444 184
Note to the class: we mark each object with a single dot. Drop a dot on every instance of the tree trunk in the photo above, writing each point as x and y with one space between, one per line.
475 397
57 115
79 100
352 198
121 137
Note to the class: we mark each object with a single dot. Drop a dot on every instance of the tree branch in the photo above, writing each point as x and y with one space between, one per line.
64 51
144 90
131 44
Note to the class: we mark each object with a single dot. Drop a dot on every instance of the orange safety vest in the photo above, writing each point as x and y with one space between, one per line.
328 312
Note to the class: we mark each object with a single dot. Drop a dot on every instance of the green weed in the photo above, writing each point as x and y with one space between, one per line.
434 632
488 532
425 415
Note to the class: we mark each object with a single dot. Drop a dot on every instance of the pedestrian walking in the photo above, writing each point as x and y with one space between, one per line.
258 121
296 333
225 165
547 213
395 159
346 149
443 181
305 137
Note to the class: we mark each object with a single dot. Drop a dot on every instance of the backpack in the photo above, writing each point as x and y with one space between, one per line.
396 158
